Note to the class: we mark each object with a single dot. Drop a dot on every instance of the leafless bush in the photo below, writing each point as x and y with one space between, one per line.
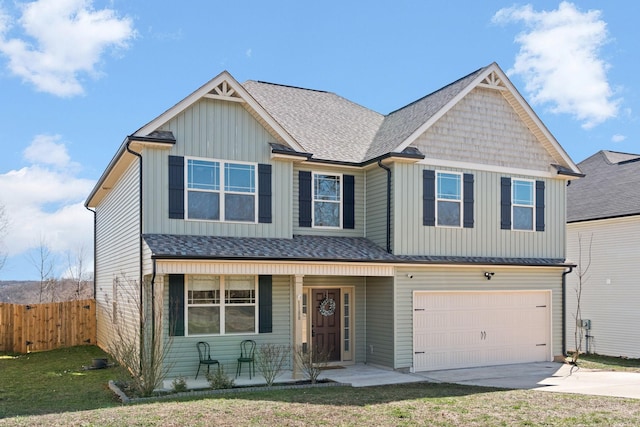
270 359
312 361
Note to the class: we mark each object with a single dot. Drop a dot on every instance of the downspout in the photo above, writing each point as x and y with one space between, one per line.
141 309
388 204
564 311
95 249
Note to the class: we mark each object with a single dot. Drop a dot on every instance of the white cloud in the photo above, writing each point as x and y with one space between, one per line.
43 201
61 41
249 52
618 138
45 149
560 63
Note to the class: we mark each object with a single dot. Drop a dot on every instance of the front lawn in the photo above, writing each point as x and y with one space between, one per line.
52 389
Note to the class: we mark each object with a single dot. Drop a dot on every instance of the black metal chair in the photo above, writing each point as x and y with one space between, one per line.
247 352
204 354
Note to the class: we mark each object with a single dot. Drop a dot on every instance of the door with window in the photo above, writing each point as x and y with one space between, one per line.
325 322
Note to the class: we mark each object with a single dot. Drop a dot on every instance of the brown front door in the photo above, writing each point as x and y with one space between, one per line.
325 322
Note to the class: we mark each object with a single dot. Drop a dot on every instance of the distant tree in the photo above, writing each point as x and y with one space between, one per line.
44 261
77 269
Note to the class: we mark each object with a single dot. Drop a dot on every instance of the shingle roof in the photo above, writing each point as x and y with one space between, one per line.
325 124
611 187
306 248
334 128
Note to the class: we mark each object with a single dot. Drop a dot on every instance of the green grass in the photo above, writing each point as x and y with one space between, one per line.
55 381
608 363
52 389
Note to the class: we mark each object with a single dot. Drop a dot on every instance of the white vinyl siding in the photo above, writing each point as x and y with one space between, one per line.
610 291
117 257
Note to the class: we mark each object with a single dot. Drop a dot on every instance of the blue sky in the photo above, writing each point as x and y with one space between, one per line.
78 76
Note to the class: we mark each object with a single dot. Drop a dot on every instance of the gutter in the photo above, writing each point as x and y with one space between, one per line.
564 310
95 247
141 309
385 167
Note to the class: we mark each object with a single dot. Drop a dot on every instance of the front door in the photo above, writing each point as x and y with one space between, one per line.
325 322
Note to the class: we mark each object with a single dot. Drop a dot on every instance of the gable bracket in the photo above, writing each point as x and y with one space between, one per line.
224 92
493 81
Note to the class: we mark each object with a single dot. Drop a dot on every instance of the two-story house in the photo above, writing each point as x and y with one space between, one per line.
431 237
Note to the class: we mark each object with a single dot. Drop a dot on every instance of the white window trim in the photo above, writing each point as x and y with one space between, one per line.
222 191
313 200
222 304
532 206
459 201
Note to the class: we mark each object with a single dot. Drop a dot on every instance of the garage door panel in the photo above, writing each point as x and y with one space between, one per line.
465 329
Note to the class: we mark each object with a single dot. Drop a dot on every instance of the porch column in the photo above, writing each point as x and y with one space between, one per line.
296 311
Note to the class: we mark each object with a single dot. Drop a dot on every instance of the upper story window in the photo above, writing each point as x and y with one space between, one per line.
221 305
327 196
449 199
523 204
221 191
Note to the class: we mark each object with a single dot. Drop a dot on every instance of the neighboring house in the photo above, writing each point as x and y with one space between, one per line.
431 237
603 237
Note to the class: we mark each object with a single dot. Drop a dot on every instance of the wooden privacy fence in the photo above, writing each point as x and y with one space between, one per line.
38 327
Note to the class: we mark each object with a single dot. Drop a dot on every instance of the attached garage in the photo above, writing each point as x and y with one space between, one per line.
468 328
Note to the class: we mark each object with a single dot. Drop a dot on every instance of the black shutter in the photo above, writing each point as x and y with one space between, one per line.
304 199
505 203
265 305
264 193
429 197
468 200
176 187
348 192
539 205
176 305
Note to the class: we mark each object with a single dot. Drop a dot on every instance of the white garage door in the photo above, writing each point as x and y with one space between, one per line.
466 329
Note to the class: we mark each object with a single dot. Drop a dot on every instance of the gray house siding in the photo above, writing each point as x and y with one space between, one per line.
359 191
376 206
485 238
117 257
469 279
183 355
380 321
218 130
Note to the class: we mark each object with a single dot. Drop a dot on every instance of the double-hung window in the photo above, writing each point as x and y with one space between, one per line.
449 199
221 191
327 196
523 204
221 305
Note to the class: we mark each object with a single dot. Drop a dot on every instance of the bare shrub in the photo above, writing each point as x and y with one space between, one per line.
219 380
312 361
271 359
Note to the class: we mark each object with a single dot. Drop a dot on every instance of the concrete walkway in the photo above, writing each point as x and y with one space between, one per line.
542 376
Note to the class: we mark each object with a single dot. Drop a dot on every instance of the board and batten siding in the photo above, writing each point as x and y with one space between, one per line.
359 190
118 256
219 130
484 128
469 279
358 285
380 321
610 289
183 354
486 238
376 206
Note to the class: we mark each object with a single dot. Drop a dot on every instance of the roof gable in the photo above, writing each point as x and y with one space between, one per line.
611 187
222 87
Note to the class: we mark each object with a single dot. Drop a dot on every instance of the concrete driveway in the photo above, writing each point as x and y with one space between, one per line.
544 376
